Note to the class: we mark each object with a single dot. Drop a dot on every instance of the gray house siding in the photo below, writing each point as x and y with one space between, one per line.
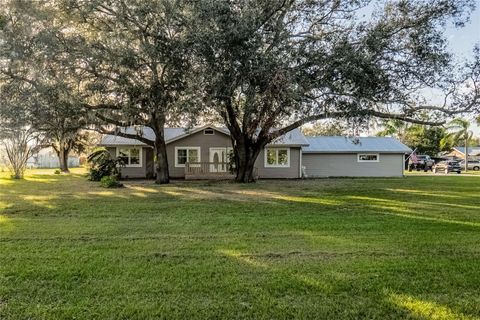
132 172
321 156
198 139
346 165
205 142
291 172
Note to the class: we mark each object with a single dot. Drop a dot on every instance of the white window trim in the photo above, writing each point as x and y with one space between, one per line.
178 165
267 165
140 153
368 154
209 134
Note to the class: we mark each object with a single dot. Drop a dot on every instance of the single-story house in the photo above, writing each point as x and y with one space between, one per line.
203 153
459 153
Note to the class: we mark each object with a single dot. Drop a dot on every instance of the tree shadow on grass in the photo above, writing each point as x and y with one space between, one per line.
364 293
302 253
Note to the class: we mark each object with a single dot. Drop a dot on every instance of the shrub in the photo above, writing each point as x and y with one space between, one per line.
110 182
102 164
95 174
56 171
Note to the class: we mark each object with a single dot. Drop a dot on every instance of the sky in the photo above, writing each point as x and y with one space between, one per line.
462 40
461 43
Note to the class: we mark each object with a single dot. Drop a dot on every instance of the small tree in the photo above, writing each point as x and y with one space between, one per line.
102 164
426 139
19 144
3 159
423 138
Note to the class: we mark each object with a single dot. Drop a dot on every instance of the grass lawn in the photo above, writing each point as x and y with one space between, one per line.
337 249
421 172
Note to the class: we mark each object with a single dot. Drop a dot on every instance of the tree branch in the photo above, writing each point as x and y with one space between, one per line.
126 135
377 114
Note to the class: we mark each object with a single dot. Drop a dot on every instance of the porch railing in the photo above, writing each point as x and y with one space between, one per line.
208 170
211 170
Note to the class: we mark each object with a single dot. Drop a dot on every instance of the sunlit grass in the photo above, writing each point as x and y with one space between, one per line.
432 219
309 249
243 258
427 309
3 219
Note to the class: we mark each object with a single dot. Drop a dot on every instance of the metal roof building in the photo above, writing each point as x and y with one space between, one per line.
291 155
358 144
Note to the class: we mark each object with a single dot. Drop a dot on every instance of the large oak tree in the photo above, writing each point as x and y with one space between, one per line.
134 63
272 65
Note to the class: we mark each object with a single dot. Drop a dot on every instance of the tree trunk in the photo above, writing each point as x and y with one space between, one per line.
246 154
246 148
161 161
466 154
63 159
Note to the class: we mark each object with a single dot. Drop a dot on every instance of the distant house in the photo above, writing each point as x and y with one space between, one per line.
47 158
203 153
459 153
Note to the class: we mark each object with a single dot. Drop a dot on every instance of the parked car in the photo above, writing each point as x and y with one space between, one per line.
472 165
423 162
447 166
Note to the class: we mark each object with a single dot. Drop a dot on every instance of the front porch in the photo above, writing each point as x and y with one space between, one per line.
210 171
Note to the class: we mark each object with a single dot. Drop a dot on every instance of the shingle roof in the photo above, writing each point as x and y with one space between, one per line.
292 138
471 150
348 145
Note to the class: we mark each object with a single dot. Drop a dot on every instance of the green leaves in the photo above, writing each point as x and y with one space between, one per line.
3 21
459 132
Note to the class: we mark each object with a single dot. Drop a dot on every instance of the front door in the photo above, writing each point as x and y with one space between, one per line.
218 159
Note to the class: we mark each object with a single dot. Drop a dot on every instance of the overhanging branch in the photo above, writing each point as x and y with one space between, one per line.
121 124
332 115
126 135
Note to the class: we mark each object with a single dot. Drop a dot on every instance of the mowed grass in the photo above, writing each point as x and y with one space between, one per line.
334 248
422 173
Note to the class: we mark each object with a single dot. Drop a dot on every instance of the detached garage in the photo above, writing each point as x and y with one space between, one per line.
354 157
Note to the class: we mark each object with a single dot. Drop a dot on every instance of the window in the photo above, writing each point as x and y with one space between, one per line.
186 154
209 132
368 157
277 157
132 157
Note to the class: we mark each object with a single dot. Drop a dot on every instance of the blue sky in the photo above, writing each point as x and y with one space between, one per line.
461 43
462 40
